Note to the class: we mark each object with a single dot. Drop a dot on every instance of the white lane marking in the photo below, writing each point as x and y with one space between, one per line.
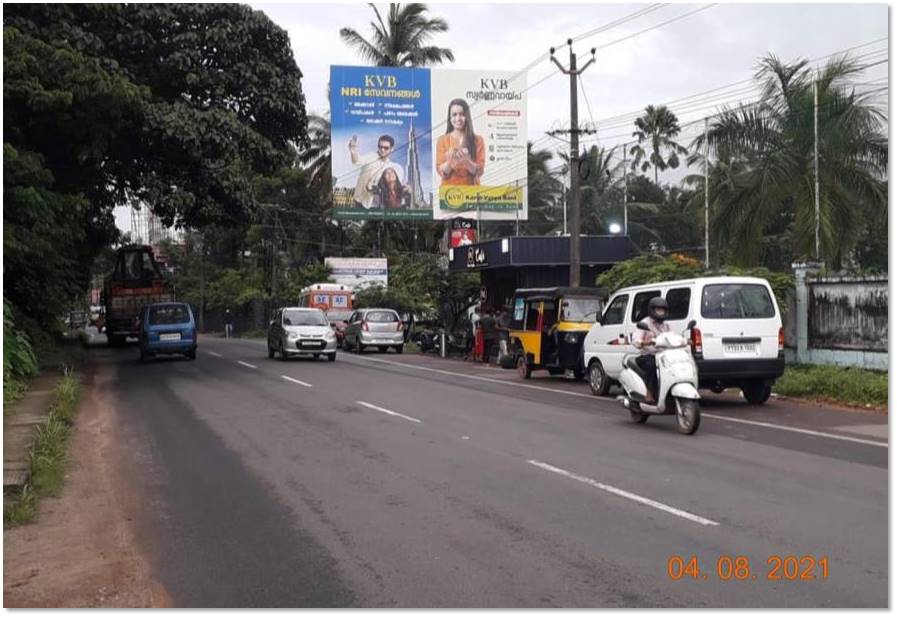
805 431
626 494
591 396
217 355
246 364
301 383
465 436
478 378
387 411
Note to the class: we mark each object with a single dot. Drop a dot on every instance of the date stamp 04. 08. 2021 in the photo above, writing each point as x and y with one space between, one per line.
740 568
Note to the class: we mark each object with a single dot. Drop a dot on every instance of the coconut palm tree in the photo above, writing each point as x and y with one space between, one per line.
316 157
656 129
543 193
770 147
401 39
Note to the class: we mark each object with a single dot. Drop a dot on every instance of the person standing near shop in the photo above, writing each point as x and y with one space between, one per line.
490 334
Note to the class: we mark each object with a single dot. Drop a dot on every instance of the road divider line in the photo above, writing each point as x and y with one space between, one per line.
386 411
217 355
246 364
625 494
805 431
301 383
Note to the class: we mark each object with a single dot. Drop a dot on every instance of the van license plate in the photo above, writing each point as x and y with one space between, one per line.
740 348
174 336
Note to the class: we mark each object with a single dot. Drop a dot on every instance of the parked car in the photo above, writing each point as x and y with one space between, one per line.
297 330
738 340
339 319
167 328
375 327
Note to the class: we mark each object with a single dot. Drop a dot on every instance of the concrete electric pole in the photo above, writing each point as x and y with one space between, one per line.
574 73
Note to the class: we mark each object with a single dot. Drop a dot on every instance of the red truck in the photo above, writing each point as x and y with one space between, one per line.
135 282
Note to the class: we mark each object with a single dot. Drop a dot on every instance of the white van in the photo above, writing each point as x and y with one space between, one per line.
738 340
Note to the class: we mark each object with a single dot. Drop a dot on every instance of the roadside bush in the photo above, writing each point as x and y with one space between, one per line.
646 269
852 386
19 359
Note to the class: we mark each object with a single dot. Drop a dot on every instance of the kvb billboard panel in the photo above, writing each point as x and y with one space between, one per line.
380 143
422 144
479 144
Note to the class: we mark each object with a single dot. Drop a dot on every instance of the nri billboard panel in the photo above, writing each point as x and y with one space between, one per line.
427 144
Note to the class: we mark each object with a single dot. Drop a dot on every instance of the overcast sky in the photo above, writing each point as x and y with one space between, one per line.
714 46
703 47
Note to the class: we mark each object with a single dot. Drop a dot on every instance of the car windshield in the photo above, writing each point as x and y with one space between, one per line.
168 314
304 318
581 309
339 315
381 317
737 301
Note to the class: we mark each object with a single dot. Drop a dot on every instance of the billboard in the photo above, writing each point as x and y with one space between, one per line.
427 143
358 272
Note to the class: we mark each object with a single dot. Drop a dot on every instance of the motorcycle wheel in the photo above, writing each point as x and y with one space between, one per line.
688 416
523 369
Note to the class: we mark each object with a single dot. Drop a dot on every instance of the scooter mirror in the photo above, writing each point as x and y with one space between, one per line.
642 326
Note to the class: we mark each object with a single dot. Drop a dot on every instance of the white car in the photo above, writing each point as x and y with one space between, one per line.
738 340
297 330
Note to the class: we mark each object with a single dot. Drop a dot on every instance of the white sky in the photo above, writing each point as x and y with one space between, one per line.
711 48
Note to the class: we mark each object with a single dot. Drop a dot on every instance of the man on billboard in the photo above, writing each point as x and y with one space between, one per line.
372 168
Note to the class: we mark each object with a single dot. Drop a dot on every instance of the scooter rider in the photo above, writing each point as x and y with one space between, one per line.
658 309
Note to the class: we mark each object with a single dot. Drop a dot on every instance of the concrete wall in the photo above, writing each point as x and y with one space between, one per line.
841 321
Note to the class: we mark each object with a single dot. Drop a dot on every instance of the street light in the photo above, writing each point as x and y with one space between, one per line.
615 228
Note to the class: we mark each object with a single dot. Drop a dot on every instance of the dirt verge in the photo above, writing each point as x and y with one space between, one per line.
81 550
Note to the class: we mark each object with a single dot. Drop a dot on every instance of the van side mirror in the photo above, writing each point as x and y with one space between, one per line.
691 324
642 326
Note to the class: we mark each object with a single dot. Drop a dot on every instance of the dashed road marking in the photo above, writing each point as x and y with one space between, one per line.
626 494
301 383
246 364
217 355
386 411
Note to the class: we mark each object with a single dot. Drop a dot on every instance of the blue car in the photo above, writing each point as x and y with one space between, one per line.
167 328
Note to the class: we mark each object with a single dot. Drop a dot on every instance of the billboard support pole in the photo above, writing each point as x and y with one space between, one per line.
574 73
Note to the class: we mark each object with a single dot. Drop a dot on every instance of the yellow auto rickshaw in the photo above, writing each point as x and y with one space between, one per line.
548 326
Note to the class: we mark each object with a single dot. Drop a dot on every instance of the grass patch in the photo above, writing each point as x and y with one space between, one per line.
48 455
256 333
853 386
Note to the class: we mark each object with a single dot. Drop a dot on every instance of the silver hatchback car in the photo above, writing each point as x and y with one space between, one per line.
374 327
296 331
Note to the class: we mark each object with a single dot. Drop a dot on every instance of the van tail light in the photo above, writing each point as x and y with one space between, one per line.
399 326
364 326
781 339
697 342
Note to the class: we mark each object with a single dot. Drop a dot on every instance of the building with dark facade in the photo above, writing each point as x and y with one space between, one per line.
506 264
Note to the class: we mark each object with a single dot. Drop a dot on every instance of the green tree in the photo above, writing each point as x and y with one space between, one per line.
402 39
771 189
177 107
656 129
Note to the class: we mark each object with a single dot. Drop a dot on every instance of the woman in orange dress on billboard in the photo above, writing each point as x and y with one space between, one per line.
460 153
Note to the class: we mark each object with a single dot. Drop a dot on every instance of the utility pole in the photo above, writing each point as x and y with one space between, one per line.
706 198
816 156
625 194
574 158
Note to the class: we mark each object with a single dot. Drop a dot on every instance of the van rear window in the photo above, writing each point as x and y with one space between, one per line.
737 301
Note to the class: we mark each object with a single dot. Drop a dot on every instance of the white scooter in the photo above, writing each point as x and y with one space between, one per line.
678 383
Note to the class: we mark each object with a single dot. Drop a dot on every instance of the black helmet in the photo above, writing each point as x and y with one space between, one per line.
658 308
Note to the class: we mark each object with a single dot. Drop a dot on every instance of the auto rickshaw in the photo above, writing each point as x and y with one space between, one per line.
548 326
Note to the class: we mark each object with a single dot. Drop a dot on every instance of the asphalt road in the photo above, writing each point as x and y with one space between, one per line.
410 481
